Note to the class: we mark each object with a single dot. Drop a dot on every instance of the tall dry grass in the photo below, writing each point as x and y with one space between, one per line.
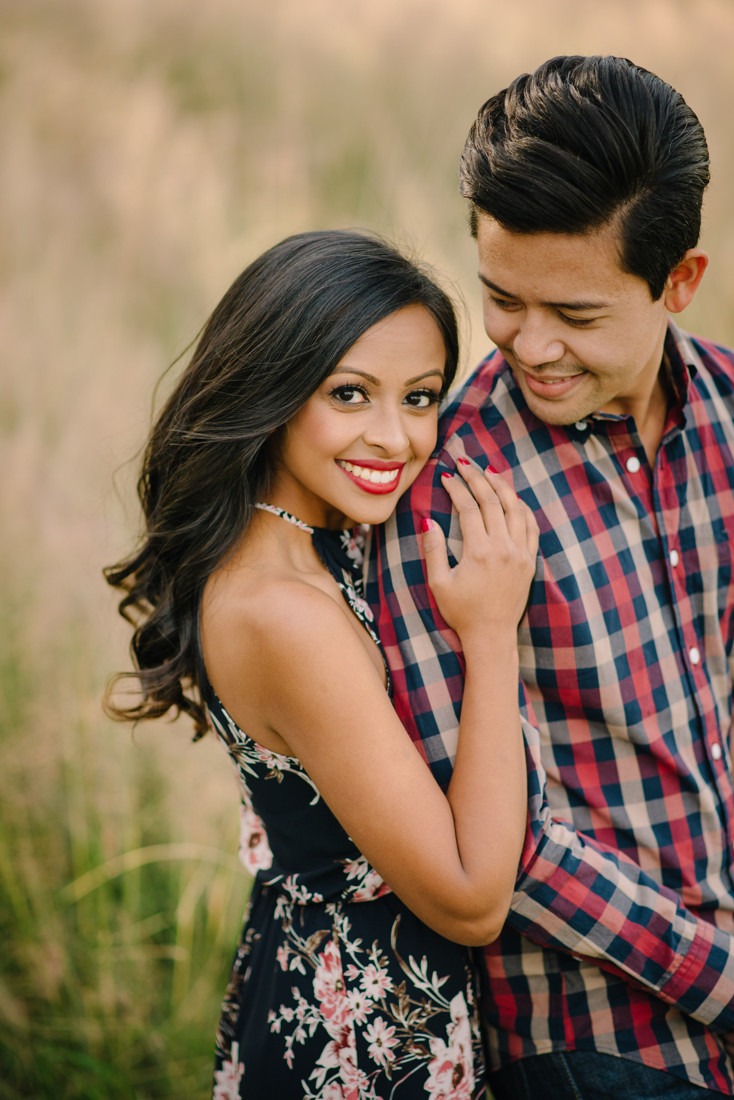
150 150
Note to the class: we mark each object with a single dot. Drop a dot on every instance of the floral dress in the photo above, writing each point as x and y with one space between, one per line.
337 991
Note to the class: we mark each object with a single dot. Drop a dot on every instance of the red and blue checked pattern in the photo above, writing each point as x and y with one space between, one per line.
620 938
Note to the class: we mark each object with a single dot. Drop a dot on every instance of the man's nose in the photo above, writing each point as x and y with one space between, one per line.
537 342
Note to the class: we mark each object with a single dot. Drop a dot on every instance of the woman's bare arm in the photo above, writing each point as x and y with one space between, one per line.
301 671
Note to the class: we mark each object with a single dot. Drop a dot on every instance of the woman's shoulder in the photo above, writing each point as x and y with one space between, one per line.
265 635
251 611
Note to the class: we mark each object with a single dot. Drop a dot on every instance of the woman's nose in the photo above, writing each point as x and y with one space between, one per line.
387 431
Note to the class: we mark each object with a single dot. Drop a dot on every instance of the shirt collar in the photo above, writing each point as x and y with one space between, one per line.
680 363
680 356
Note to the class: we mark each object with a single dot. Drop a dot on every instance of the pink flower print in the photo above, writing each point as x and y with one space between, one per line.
332 1091
329 989
381 1039
289 960
451 1070
227 1079
360 1006
360 605
302 1006
297 893
375 981
255 852
372 887
353 543
357 1084
356 868
339 1054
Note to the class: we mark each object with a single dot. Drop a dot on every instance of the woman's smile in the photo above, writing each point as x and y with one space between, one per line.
371 475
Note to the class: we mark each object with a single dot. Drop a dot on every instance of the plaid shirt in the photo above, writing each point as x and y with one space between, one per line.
619 938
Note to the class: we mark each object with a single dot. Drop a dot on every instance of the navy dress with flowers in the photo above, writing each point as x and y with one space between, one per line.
337 991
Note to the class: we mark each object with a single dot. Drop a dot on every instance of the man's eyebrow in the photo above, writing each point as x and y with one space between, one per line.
573 307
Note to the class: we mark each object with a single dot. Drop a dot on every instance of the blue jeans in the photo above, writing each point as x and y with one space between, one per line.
589 1075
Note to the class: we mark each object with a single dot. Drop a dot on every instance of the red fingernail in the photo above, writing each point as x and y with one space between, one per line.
464 461
446 474
491 468
426 524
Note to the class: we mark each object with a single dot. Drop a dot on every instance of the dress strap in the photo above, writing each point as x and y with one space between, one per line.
276 511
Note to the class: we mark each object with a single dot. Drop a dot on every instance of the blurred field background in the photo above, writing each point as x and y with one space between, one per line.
150 149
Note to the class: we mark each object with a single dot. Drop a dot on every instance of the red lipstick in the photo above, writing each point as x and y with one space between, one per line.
383 476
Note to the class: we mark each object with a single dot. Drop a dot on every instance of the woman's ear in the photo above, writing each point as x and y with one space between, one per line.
683 281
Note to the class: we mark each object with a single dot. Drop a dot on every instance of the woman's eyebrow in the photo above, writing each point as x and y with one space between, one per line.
346 369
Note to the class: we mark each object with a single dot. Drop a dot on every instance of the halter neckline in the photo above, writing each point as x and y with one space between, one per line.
288 516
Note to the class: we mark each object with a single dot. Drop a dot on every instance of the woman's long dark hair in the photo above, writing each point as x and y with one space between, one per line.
280 329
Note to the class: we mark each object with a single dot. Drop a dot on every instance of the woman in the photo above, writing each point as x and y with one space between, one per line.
309 406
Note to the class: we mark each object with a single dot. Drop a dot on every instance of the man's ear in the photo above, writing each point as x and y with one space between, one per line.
684 279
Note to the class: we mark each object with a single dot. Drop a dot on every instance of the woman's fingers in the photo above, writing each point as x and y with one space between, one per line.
520 521
512 506
483 491
438 570
471 517
532 533
491 582
513 517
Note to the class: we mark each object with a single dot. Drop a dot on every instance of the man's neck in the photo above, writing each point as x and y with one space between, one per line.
651 424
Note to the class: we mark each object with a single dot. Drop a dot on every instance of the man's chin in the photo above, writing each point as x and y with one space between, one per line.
558 411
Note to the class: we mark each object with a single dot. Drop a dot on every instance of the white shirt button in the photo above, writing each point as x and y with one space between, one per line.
581 425
633 465
674 558
694 655
716 751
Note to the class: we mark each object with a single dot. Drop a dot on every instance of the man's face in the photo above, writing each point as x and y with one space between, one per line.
580 334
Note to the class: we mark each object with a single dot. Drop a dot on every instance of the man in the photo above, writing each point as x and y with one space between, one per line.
614 976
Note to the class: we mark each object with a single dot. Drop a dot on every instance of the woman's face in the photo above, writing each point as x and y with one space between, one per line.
363 436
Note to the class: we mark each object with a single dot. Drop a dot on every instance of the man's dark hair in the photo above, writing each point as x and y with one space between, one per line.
585 142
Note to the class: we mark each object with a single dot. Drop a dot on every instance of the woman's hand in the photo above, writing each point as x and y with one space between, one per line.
490 585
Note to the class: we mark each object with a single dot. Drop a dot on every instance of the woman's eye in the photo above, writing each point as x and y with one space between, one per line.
422 399
349 395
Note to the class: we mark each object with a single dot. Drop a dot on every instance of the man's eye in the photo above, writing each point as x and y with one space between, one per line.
503 303
349 395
